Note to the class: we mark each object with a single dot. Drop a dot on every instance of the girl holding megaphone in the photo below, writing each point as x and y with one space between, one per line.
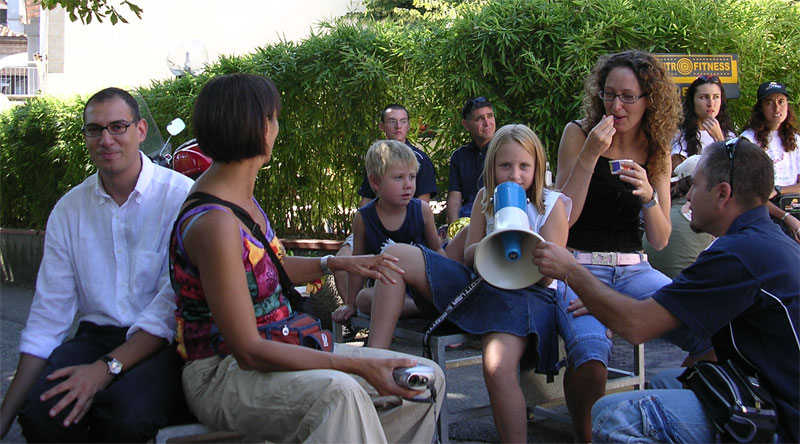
516 321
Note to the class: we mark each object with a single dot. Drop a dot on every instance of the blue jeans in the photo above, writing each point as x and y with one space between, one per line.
585 337
651 416
668 413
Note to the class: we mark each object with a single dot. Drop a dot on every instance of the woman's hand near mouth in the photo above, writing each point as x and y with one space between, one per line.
711 125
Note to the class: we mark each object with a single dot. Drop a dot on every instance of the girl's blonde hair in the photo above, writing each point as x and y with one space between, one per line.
524 136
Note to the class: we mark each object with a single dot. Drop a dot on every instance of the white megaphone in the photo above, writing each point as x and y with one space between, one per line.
504 257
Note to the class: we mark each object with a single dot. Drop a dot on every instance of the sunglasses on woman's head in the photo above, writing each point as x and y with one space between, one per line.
712 79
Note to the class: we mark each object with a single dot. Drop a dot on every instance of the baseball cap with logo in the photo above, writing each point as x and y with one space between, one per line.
768 88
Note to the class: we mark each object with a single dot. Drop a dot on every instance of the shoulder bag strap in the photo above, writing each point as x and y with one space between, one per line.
200 198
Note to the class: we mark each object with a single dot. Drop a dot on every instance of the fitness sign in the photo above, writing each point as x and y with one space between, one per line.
685 68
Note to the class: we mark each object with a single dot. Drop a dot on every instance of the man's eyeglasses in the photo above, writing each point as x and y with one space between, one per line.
624 98
472 104
395 122
730 147
115 128
706 78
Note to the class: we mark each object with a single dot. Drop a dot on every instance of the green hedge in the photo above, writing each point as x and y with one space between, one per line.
529 57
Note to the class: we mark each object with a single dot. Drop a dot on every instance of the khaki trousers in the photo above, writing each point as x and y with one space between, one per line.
316 406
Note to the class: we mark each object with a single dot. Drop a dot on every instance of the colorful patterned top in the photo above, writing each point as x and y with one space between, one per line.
193 315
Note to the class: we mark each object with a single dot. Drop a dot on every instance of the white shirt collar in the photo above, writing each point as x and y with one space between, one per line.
142 182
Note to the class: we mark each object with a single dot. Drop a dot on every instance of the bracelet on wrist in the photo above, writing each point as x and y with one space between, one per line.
784 216
323 265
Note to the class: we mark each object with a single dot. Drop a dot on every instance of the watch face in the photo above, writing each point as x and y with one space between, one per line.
115 367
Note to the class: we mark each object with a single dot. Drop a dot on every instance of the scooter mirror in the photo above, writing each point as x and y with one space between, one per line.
176 126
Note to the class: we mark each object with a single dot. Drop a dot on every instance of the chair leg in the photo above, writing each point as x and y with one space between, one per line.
338 334
443 423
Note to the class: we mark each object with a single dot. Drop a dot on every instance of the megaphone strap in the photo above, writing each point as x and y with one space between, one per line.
466 292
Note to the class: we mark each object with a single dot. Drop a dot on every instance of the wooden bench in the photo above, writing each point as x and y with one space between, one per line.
539 390
324 245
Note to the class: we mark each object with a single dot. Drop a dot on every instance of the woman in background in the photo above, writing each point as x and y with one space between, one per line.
773 126
705 119
684 243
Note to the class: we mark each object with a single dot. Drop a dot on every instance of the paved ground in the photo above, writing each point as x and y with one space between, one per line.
465 384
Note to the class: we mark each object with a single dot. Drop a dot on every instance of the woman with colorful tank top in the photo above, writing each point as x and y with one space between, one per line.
226 283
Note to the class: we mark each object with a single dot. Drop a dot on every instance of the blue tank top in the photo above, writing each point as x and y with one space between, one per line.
378 237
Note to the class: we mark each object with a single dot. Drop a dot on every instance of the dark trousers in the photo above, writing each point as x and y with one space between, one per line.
132 408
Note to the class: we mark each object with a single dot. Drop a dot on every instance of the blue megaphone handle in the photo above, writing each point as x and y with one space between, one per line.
510 194
512 245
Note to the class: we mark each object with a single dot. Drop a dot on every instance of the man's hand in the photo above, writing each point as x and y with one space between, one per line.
378 373
80 386
554 261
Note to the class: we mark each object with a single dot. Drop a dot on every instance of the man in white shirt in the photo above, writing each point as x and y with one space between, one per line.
105 255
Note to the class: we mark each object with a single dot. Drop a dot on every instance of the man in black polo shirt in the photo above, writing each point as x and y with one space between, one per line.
466 163
742 292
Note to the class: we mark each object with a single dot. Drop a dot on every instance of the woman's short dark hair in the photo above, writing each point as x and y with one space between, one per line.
231 114
688 128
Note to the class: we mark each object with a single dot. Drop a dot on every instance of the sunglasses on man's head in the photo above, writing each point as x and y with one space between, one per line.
730 147
473 103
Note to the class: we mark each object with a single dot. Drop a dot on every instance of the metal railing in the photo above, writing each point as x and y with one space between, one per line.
19 81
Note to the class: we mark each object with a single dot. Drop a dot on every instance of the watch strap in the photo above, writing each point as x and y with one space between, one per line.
652 201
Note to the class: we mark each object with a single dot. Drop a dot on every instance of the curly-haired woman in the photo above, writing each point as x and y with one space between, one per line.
615 166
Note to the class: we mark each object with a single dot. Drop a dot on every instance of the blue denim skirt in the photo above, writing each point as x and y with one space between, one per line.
529 312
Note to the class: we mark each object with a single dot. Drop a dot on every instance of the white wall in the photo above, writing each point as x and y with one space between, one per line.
128 55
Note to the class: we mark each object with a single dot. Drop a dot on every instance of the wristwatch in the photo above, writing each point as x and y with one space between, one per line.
778 189
653 202
323 265
114 366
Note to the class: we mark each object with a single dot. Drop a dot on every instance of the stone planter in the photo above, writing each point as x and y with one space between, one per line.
20 254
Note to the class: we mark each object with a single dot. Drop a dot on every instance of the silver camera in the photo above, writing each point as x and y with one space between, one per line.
418 377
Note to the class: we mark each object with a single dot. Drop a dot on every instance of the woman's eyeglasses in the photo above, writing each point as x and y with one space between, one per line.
624 98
